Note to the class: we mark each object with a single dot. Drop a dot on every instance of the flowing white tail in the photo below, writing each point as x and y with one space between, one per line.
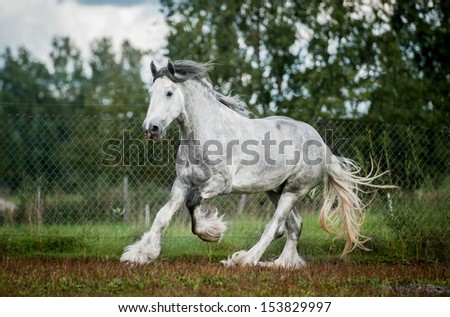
342 206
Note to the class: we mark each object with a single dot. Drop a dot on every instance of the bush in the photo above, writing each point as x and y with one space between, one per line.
421 229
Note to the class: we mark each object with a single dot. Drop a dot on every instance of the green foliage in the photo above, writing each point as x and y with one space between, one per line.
68 78
23 81
115 81
71 85
312 59
414 155
420 228
252 38
54 152
42 245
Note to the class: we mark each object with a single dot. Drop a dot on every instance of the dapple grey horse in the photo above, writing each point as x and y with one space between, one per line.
223 151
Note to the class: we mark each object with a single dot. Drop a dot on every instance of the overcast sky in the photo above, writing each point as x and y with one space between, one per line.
33 23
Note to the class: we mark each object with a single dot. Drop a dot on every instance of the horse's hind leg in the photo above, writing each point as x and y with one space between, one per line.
289 256
285 205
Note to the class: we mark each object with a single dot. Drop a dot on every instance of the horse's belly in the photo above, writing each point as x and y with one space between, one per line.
262 181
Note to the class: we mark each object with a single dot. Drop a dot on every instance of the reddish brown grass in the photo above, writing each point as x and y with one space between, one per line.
95 277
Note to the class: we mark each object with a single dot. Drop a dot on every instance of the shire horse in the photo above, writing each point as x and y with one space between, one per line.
224 151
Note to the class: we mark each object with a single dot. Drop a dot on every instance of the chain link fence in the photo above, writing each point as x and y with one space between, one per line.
81 170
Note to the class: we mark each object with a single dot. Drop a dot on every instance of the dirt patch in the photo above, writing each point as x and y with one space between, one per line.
421 290
97 277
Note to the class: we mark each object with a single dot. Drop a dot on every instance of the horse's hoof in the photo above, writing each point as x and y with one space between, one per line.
294 263
135 255
239 258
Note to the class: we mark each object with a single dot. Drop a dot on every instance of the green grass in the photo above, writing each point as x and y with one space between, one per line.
409 235
108 241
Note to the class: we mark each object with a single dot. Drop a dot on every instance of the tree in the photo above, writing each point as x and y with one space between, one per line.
24 81
69 79
383 60
423 33
48 148
116 80
102 84
132 89
236 36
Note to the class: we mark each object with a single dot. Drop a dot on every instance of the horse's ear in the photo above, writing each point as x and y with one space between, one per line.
171 67
153 68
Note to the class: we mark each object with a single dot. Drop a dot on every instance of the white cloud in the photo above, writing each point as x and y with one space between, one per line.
33 23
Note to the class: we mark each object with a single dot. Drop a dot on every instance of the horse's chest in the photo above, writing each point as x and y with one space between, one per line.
193 174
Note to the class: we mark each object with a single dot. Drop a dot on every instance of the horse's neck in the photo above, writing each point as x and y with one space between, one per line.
197 121
202 118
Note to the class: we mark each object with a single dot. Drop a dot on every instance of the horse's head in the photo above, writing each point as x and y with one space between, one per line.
166 101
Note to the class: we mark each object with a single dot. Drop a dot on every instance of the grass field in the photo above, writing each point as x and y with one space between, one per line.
108 240
82 260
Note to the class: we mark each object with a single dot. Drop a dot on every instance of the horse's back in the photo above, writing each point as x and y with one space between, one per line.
294 128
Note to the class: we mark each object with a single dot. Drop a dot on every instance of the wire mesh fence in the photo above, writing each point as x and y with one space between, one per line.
86 170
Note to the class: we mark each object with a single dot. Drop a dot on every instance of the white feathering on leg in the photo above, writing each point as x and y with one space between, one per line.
137 253
209 225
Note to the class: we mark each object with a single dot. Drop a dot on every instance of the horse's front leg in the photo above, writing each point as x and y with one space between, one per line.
148 248
206 222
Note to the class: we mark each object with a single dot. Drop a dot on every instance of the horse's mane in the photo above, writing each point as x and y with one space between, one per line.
186 70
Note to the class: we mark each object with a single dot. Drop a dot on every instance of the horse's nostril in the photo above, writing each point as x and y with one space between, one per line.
154 129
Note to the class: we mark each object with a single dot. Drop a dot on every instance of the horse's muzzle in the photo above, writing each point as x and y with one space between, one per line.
152 135
153 128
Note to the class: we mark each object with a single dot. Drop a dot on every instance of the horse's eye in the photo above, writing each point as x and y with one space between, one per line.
169 94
